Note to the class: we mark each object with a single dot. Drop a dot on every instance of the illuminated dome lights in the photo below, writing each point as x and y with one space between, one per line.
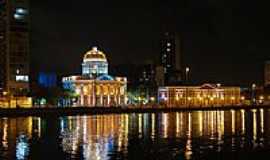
94 55
94 63
105 78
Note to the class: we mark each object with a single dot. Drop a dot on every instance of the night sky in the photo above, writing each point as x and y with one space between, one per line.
222 41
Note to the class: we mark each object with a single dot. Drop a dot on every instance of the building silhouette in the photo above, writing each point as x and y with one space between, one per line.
170 46
170 57
14 47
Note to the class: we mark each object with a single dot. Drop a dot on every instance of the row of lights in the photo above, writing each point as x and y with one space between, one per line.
201 98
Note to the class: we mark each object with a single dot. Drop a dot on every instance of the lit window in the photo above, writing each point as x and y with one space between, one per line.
168 44
21 11
17 16
168 49
22 78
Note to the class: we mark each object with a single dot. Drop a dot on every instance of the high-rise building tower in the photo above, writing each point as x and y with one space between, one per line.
170 57
14 46
267 73
170 50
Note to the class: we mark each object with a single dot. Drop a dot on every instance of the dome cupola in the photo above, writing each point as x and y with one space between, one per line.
94 63
94 55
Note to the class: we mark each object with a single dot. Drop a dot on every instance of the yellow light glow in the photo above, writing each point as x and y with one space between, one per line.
152 98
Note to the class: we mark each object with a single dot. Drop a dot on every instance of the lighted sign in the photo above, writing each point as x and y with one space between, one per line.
22 78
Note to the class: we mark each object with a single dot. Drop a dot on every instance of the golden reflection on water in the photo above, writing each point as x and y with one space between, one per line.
165 125
254 125
243 121
153 120
99 134
16 133
188 151
140 125
262 120
97 137
233 121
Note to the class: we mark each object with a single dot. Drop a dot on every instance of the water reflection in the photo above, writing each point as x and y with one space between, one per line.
182 135
15 133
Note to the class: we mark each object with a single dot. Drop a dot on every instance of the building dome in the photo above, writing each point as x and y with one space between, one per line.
94 63
94 55
105 77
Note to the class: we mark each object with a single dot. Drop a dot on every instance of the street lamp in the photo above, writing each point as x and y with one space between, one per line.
187 72
253 88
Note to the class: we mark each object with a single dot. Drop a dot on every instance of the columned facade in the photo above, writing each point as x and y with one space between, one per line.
95 87
205 95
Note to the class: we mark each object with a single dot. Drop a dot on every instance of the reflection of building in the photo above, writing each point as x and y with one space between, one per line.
204 95
14 47
16 134
98 136
267 73
95 87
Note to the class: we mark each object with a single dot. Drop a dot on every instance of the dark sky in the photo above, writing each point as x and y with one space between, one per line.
222 41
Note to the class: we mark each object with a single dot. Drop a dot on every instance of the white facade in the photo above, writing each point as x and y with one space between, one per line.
95 87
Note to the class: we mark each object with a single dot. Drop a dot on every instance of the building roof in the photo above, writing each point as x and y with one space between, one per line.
94 55
105 77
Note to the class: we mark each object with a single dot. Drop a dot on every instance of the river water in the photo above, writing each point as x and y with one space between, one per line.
232 134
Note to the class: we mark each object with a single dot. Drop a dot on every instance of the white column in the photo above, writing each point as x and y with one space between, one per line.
89 100
93 94
115 99
82 99
119 99
109 99
101 99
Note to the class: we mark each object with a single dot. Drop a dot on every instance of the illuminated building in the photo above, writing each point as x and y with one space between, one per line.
14 47
95 87
267 73
205 95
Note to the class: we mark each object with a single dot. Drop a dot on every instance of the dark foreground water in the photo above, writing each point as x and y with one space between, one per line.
235 134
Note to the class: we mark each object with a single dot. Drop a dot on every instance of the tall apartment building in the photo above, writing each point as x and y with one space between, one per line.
170 58
14 46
